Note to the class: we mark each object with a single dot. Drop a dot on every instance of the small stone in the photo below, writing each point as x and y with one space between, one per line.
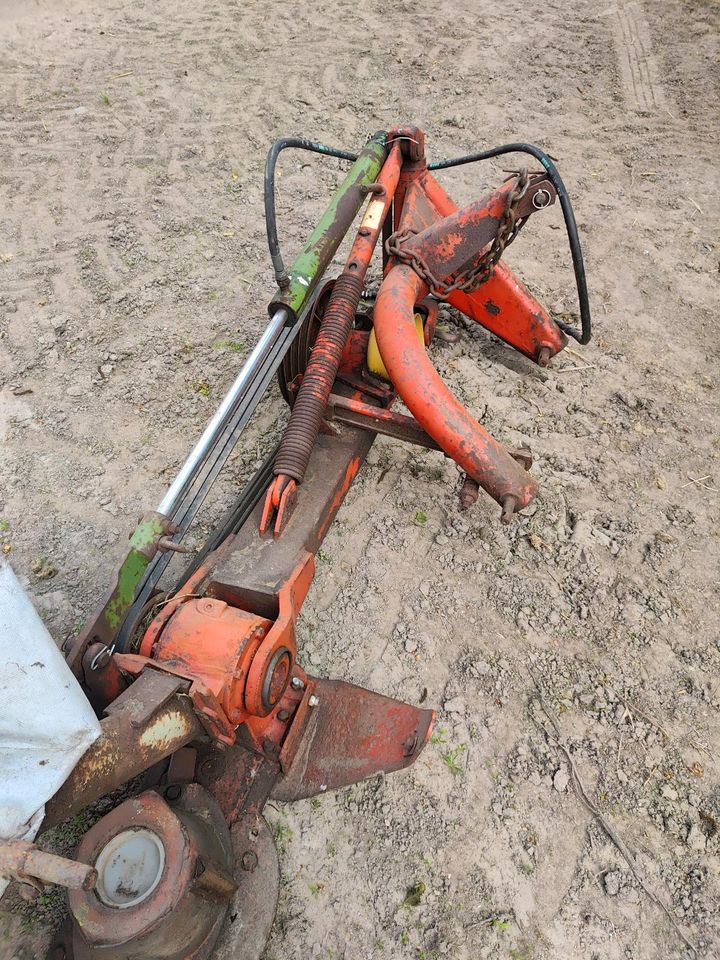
411 646
59 322
669 793
106 369
611 882
75 390
696 839
455 705
561 780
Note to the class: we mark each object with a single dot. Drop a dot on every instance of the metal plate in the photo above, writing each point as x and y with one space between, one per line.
350 734
253 570
251 913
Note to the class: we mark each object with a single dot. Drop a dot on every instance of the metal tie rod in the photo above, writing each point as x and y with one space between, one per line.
251 369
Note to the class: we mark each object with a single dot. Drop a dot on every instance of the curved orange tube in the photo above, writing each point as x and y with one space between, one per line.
431 402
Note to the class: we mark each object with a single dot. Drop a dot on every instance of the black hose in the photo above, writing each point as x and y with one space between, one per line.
583 335
298 143
236 516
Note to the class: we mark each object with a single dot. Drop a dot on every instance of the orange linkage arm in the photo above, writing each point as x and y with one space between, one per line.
431 402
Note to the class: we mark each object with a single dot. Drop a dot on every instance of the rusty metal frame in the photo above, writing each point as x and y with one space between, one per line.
217 667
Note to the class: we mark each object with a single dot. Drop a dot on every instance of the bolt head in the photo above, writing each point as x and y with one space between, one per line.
541 198
297 684
313 701
323 787
249 861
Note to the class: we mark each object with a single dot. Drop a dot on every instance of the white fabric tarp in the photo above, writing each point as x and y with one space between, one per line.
46 722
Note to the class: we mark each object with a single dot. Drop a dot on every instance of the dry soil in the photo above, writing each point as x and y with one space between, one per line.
133 280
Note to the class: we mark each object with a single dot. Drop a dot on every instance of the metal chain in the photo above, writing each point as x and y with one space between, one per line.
470 280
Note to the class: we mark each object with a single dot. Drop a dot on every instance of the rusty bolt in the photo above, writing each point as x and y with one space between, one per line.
508 508
543 357
297 684
212 767
313 701
173 792
364 232
409 745
468 493
283 714
249 861
268 745
166 545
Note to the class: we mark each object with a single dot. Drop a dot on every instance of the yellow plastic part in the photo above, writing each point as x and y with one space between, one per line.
374 360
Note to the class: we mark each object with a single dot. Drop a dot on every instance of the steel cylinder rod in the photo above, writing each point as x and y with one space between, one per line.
305 272
251 369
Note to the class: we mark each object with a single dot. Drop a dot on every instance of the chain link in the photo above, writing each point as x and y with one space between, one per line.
470 280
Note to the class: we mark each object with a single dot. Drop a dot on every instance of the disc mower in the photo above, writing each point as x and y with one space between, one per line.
199 685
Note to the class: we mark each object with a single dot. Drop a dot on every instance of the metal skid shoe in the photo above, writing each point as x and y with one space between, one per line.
200 689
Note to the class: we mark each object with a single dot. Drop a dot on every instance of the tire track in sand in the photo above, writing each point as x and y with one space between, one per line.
639 71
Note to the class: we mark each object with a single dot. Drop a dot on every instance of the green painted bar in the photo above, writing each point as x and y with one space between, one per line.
312 261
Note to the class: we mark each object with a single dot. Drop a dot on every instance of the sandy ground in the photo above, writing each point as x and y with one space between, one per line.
133 278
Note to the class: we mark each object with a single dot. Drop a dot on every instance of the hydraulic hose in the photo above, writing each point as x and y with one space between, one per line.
583 335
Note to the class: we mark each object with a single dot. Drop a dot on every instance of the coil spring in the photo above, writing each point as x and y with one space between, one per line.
307 412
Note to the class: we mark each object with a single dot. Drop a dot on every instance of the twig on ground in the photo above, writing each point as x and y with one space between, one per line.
588 366
633 709
575 353
699 483
579 787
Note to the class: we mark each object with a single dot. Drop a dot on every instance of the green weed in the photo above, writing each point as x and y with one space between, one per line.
451 757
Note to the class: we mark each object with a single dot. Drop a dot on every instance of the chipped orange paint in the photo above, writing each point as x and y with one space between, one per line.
503 304
431 402
351 472
225 652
